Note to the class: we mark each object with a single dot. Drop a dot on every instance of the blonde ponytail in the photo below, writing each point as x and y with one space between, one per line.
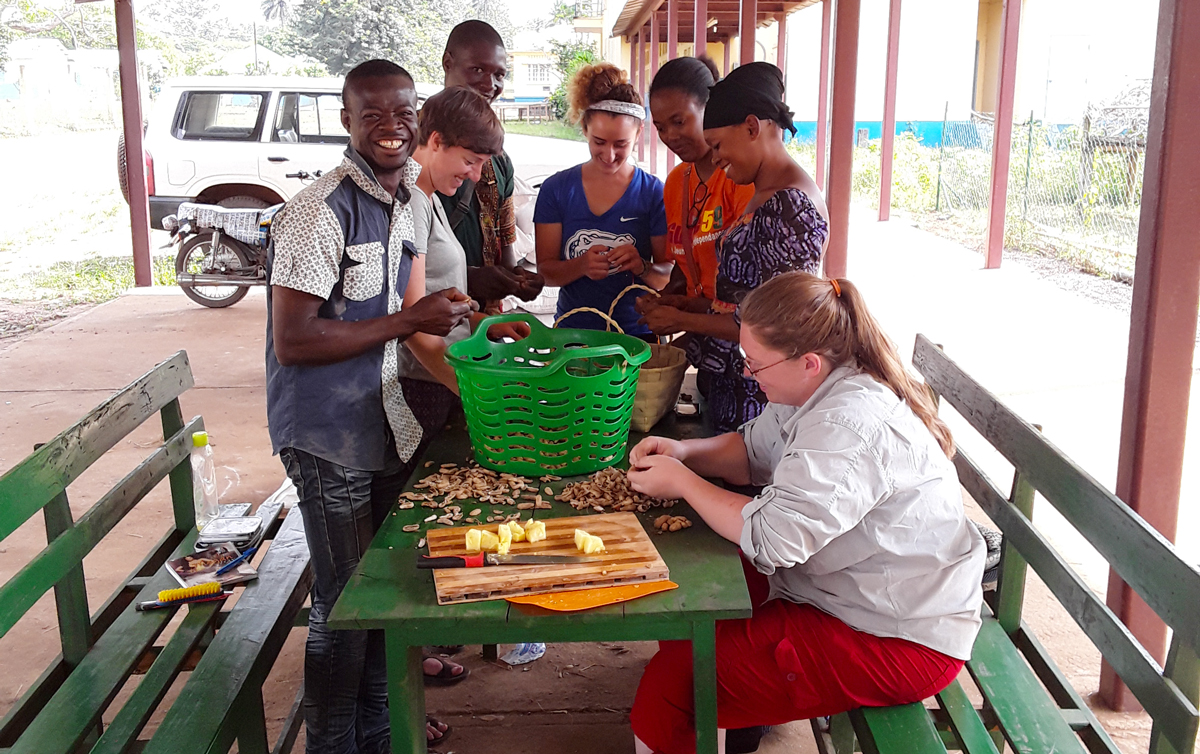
798 313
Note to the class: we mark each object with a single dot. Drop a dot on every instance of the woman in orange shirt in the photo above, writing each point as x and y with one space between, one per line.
700 200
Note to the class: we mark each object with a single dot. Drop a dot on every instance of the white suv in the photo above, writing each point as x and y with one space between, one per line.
241 141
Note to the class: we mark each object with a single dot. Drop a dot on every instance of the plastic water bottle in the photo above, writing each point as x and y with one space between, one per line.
204 480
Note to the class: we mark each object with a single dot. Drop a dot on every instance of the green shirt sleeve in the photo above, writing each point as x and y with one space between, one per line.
505 175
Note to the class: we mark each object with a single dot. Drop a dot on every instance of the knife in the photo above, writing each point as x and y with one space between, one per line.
491 559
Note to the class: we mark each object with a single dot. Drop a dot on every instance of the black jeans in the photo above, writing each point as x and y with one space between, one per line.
345 672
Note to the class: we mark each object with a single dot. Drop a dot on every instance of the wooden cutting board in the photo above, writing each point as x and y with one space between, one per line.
630 558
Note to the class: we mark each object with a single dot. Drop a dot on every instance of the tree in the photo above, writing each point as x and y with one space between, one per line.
569 57
278 9
412 33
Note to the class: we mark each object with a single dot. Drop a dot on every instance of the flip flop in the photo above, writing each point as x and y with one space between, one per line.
446 676
440 739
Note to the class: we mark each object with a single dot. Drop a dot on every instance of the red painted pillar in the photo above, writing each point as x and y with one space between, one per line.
1162 333
655 31
889 113
747 21
823 92
131 121
638 78
1002 141
672 53
841 136
700 24
781 44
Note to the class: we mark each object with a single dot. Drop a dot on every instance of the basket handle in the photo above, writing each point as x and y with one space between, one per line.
608 317
621 295
614 349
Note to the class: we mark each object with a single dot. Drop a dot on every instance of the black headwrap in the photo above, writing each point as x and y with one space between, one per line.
752 89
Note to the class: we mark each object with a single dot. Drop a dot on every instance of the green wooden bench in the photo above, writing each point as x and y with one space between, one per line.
1028 702
63 711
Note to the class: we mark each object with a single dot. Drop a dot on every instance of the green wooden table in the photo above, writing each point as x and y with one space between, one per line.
389 592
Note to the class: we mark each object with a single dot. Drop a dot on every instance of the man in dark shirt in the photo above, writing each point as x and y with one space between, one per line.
341 252
482 214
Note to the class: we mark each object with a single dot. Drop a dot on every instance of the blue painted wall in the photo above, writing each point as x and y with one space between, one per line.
928 131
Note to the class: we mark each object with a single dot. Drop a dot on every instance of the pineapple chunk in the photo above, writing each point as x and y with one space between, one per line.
588 543
535 531
593 545
505 534
518 534
488 542
473 540
502 548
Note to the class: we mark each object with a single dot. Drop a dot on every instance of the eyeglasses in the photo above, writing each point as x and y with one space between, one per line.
699 199
754 372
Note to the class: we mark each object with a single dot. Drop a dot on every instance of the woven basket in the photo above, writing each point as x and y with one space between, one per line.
658 386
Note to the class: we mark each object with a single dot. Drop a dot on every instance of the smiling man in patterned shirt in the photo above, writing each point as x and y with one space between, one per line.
341 252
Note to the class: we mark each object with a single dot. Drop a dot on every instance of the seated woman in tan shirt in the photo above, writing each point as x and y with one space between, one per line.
857 550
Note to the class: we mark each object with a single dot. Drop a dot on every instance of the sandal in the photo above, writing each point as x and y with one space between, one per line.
429 721
446 676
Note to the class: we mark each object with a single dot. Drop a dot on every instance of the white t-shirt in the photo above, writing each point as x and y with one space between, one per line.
445 267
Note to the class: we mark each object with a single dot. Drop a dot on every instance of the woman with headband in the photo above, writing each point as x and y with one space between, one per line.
863 569
601 226
783 228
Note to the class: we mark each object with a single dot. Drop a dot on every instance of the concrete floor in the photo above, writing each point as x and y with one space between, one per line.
1057 359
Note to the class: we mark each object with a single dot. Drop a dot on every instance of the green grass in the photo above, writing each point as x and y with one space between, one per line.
554 129
98 279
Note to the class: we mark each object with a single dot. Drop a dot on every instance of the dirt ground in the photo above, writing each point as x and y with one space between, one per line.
575 699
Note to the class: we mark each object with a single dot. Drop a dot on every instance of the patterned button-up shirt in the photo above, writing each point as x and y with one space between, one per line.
346 240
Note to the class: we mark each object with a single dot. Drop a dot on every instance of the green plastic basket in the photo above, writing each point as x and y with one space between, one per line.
557 402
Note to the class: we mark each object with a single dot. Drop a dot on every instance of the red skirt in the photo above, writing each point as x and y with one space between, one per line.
787 662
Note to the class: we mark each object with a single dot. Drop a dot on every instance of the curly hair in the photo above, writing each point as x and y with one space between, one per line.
596 83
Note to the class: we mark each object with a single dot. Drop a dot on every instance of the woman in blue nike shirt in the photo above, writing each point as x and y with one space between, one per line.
601 226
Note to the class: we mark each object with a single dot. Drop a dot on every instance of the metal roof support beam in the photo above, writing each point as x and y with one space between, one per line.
639 84
747 22
823 93
889 113
700 28
1162 332
1002 141
672 53
655 31
841 136
131 121
781 44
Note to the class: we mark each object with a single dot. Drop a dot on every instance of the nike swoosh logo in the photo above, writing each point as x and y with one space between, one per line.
627 219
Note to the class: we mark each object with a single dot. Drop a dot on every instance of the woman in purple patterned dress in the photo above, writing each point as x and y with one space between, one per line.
784 228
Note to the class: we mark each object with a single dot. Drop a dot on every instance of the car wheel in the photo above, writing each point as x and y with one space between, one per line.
197 256
122 176
242 201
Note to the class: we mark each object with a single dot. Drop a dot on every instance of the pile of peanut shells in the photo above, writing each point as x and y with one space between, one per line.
442 491
608 489
666 523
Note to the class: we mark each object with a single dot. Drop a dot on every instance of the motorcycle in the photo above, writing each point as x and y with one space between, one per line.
222 252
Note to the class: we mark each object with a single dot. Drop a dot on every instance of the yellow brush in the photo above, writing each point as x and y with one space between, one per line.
200 593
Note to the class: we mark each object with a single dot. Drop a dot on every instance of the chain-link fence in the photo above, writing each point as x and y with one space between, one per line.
1073 190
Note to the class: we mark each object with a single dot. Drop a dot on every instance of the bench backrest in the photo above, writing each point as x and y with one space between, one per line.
39 483
1141 556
